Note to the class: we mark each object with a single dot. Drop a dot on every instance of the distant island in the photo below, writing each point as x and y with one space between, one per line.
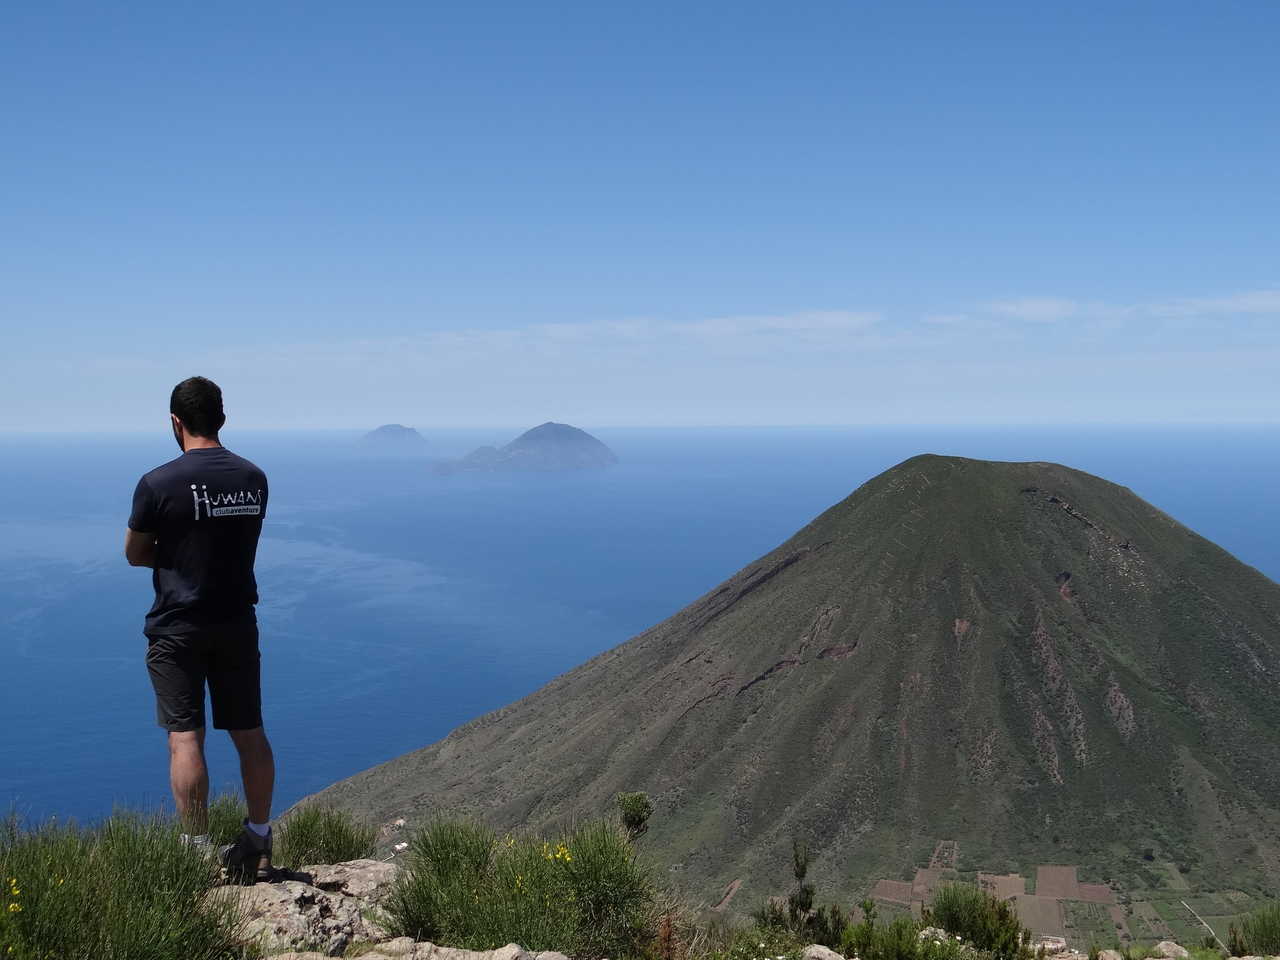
545 448
394 436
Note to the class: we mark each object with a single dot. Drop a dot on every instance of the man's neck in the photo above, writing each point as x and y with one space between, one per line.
199 443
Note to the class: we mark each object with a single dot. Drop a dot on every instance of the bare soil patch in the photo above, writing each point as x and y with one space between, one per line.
1097 893
1058 882
1041 915
893 891
1003 886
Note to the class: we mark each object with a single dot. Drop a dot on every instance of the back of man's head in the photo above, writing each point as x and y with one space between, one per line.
197 402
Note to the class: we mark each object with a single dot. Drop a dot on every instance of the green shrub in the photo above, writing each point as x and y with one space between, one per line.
584 893
125 889
635 810
314 834
981 919
824 925
1260 930
868 939
773 944
900 939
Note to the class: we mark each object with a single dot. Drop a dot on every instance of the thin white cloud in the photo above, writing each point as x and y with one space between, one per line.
1048 309
975 361
1250 303
1035 309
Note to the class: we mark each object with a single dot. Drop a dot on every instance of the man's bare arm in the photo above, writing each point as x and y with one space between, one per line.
140 548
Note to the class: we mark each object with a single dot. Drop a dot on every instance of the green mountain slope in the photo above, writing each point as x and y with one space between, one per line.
1019 656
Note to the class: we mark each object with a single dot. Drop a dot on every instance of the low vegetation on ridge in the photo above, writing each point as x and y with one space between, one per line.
126 889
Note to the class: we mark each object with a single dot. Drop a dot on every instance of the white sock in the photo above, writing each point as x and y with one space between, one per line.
261 829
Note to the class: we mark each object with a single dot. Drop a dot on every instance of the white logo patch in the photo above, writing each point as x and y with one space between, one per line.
239 503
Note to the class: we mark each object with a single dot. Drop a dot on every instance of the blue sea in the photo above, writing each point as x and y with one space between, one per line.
397 604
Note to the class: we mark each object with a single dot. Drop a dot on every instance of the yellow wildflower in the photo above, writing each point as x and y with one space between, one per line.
562 853
15 908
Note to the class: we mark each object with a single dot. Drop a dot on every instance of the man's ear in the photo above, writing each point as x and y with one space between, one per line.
178 432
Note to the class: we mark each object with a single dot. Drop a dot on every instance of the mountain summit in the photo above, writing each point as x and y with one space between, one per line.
394 435
550 446
1020 657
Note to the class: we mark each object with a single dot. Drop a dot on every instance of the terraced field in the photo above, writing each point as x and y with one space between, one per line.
1087 924
1163 914
1051 900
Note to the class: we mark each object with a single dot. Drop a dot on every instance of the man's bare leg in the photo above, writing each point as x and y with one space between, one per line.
189 779
257 771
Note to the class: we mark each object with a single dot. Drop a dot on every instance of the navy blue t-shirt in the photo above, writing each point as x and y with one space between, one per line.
206 510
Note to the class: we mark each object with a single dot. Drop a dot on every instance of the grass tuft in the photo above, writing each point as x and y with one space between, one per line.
1260 930
125 889
584 893
316 834
226 818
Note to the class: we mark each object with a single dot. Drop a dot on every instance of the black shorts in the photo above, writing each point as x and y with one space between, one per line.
227 657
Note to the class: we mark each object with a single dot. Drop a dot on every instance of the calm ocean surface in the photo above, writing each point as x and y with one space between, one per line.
397 604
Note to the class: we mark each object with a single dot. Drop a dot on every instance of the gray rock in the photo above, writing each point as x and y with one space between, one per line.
403 948
430 951
1110 955
368 880
1171 951
817 952
550 955
374 926
292 916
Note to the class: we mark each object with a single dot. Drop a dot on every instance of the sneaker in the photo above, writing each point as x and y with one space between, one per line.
200 843
249 858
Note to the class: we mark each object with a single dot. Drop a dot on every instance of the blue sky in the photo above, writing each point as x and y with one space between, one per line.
496 214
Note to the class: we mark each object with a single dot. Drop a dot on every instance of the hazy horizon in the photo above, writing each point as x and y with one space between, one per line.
514 429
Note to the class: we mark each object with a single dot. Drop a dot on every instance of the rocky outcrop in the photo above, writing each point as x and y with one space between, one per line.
318 910
324 910
368 880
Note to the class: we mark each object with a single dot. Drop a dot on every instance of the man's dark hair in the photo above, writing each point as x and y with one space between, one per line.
197 402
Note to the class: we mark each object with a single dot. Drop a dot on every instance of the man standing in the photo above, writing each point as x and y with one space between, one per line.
196 522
